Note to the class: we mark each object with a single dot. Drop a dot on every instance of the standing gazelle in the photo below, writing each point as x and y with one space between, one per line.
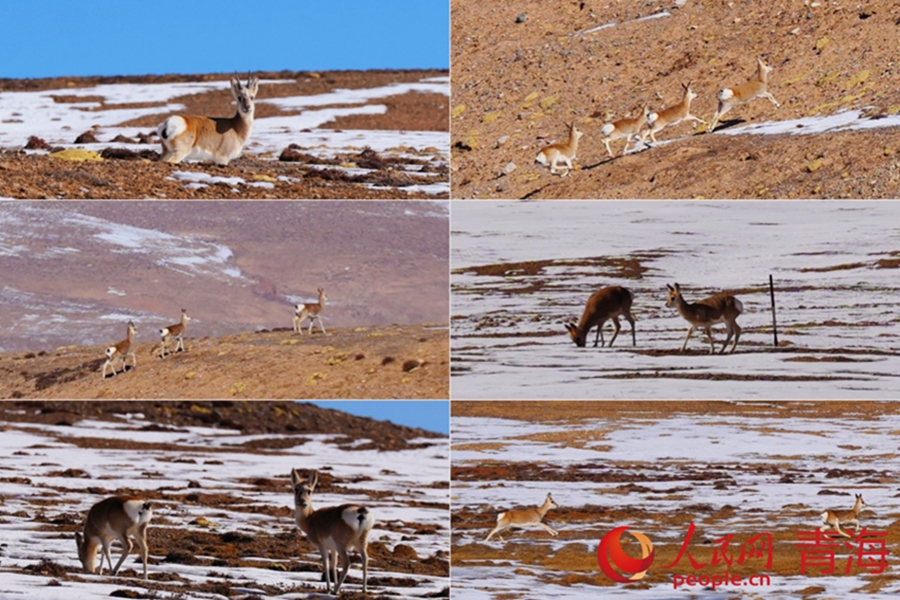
118 517
219 139
834 518
703 314
747 91
604 304
519 517
311 311
174 331
334 531
564 152
672 115
121 349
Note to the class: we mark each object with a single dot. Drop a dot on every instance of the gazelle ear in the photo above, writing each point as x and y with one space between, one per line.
671 289
314 480
253 85
295 477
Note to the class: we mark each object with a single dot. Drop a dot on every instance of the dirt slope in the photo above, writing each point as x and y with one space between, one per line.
521 71
362 362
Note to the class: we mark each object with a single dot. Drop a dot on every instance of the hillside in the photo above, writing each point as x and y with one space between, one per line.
74 273
522 71
349 134
362 362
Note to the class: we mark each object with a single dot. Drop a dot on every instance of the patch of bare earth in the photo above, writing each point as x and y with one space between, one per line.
522 71
364 362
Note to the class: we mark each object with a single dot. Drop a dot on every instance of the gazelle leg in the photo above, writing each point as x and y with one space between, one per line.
549 529
630 319
345 562
712 345
687 337
325 554
616 327
737 335
771 98
321 325
365 567
729 333
127 545
499 528
599 335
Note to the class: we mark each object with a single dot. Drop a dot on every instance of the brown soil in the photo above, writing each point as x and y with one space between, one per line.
361 362
520 72
126 175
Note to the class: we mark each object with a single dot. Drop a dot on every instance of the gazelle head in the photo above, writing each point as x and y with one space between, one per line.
763 68
184 316
244 94
549 501
578 338
303 489
322 296
689 94
860 503
87 556
674 293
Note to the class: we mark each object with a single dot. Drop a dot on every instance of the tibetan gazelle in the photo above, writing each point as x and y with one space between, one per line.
703 314
117 518
747 91
624 128
520 517
219 139
834 518
604 304
311 311
672 115
121 349
175 331
563 152
334 531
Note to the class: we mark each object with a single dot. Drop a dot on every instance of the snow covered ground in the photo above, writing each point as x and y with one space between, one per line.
662 453
26 114
33 456
834 266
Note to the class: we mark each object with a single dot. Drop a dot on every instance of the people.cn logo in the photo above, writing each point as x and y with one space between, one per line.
611 556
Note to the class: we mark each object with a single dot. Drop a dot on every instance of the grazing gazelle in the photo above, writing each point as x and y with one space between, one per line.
219 139
519 517
834 518
311 311
121 349
118 518
604 304
174 331
624 128
747 91
703 314
334 531
672 115
561 151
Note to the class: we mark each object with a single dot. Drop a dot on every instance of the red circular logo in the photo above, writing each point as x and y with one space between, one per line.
610 553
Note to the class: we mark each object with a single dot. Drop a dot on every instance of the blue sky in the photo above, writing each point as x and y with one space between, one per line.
49 38
433 415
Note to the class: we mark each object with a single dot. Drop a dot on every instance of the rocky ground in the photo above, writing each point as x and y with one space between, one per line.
362 362
521 72
294 173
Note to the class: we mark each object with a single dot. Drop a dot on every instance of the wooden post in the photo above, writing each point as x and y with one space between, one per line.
774 325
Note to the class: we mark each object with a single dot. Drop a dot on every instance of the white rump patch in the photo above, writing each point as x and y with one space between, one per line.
110 351
739 305
652 117
135 511
173 127
164 332
725 94
541 158
608 129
